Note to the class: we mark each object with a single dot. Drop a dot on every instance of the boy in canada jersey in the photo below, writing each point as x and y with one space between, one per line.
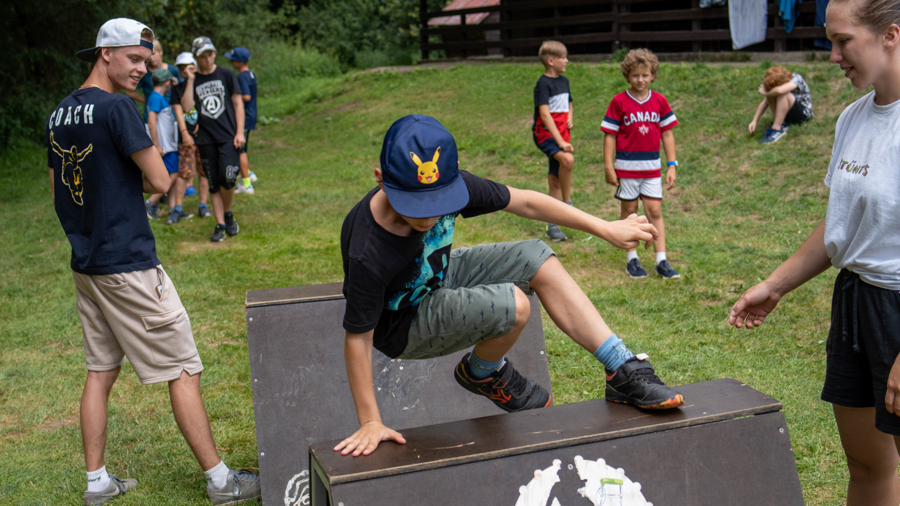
634 123
552 122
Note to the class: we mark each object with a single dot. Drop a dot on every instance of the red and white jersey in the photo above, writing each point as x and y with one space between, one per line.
552 92
638 127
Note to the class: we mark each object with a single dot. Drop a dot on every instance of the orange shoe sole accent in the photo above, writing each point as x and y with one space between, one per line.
674 402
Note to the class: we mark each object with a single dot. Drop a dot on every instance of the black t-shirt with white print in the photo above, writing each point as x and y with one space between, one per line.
212 98
98 189
386 276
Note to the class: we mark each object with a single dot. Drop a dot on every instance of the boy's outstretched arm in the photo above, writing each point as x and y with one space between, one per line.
668 142
759 112
624 234
358 359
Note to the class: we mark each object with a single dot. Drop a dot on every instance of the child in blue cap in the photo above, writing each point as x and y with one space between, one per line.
411 296
240 58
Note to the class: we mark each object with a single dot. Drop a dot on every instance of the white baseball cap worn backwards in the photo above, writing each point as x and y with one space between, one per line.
119 32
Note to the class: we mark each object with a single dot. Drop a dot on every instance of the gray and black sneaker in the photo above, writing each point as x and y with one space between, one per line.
635 382
634 269
241 486
218 234
231 225
554 233
152 209
505 387
666 271
174 217
203 211
116 487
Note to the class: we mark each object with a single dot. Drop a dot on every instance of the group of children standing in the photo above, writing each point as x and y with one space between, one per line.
212 130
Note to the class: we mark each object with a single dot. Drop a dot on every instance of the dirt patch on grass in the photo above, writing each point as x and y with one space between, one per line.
353 104
67 422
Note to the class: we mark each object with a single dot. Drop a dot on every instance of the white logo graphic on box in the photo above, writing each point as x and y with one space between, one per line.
604 485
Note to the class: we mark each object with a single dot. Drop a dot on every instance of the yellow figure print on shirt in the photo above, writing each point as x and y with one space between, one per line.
71 171
428 171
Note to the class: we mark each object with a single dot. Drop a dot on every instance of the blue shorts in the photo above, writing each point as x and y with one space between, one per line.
171 161
549 147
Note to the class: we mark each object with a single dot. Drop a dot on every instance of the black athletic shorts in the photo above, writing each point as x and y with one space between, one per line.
243 149
795 114
863 343
222 164
549 147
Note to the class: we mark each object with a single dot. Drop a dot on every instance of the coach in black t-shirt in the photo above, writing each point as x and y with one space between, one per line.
101 160
216 92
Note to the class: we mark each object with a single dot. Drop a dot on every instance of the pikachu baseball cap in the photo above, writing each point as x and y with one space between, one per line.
420 168
119 32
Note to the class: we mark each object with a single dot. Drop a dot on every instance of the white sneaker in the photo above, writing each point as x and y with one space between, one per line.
252 177
249 189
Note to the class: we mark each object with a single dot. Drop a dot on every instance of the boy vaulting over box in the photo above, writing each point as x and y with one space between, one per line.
412 296
634 123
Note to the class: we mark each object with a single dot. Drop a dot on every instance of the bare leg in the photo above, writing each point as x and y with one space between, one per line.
222 201
568 306
245 165
566 163
555 188
173 191
492 350
204 189
780 105
872 458
190 415
653 210
94 404
178 187
628 208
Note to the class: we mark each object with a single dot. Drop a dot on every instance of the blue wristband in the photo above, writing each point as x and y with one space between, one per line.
672 164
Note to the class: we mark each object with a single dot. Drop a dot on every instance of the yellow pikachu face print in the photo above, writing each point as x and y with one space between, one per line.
427 172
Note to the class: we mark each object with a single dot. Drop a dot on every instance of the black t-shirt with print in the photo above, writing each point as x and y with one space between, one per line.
386 276
212 98
98 188
190 117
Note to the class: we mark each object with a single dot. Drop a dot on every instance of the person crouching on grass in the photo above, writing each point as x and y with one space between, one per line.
787 95
403 281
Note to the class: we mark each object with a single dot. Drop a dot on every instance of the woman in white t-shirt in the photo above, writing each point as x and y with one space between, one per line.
861 236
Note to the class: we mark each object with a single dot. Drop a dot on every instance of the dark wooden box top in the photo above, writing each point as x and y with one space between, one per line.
293 295
543 429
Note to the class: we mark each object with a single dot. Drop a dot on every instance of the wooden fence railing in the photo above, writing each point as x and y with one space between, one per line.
612 26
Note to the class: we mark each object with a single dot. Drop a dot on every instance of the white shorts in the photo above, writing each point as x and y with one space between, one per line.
630 189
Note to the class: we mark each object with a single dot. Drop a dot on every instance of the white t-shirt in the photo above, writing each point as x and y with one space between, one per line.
862 227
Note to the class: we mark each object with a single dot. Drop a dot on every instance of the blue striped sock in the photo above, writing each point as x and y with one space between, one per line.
480 369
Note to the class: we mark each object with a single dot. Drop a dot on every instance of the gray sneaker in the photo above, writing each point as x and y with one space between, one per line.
116 487
241 486
203 211
152 209
554 233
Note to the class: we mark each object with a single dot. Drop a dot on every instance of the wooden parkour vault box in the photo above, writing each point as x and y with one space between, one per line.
728 445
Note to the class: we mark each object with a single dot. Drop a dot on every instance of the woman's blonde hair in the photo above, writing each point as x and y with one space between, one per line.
877 15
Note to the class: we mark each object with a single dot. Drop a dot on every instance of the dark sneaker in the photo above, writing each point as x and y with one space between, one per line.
241 486
635 382
152 209
174 217
116 487
231 225
666 271
554 233
203 211
773 135
218 234
505 387
634 269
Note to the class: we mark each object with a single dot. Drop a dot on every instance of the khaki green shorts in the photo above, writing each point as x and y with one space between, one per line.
136 315
477 300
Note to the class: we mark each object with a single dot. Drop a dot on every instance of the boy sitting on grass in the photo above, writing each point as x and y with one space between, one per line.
787 94
635 122
552 122
413 297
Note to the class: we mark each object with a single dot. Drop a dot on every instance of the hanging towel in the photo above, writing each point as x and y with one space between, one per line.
705 4
788 13
747 19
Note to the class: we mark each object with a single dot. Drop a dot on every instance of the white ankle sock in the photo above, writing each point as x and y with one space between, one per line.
660 257
631 255
217 476
98 480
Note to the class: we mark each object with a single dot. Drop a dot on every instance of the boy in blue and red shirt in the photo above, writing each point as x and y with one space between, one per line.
635 122
552 122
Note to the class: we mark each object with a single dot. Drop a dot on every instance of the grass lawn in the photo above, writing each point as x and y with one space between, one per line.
737 211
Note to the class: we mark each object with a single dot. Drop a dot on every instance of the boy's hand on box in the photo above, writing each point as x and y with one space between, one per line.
670 178
366 439
630 232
